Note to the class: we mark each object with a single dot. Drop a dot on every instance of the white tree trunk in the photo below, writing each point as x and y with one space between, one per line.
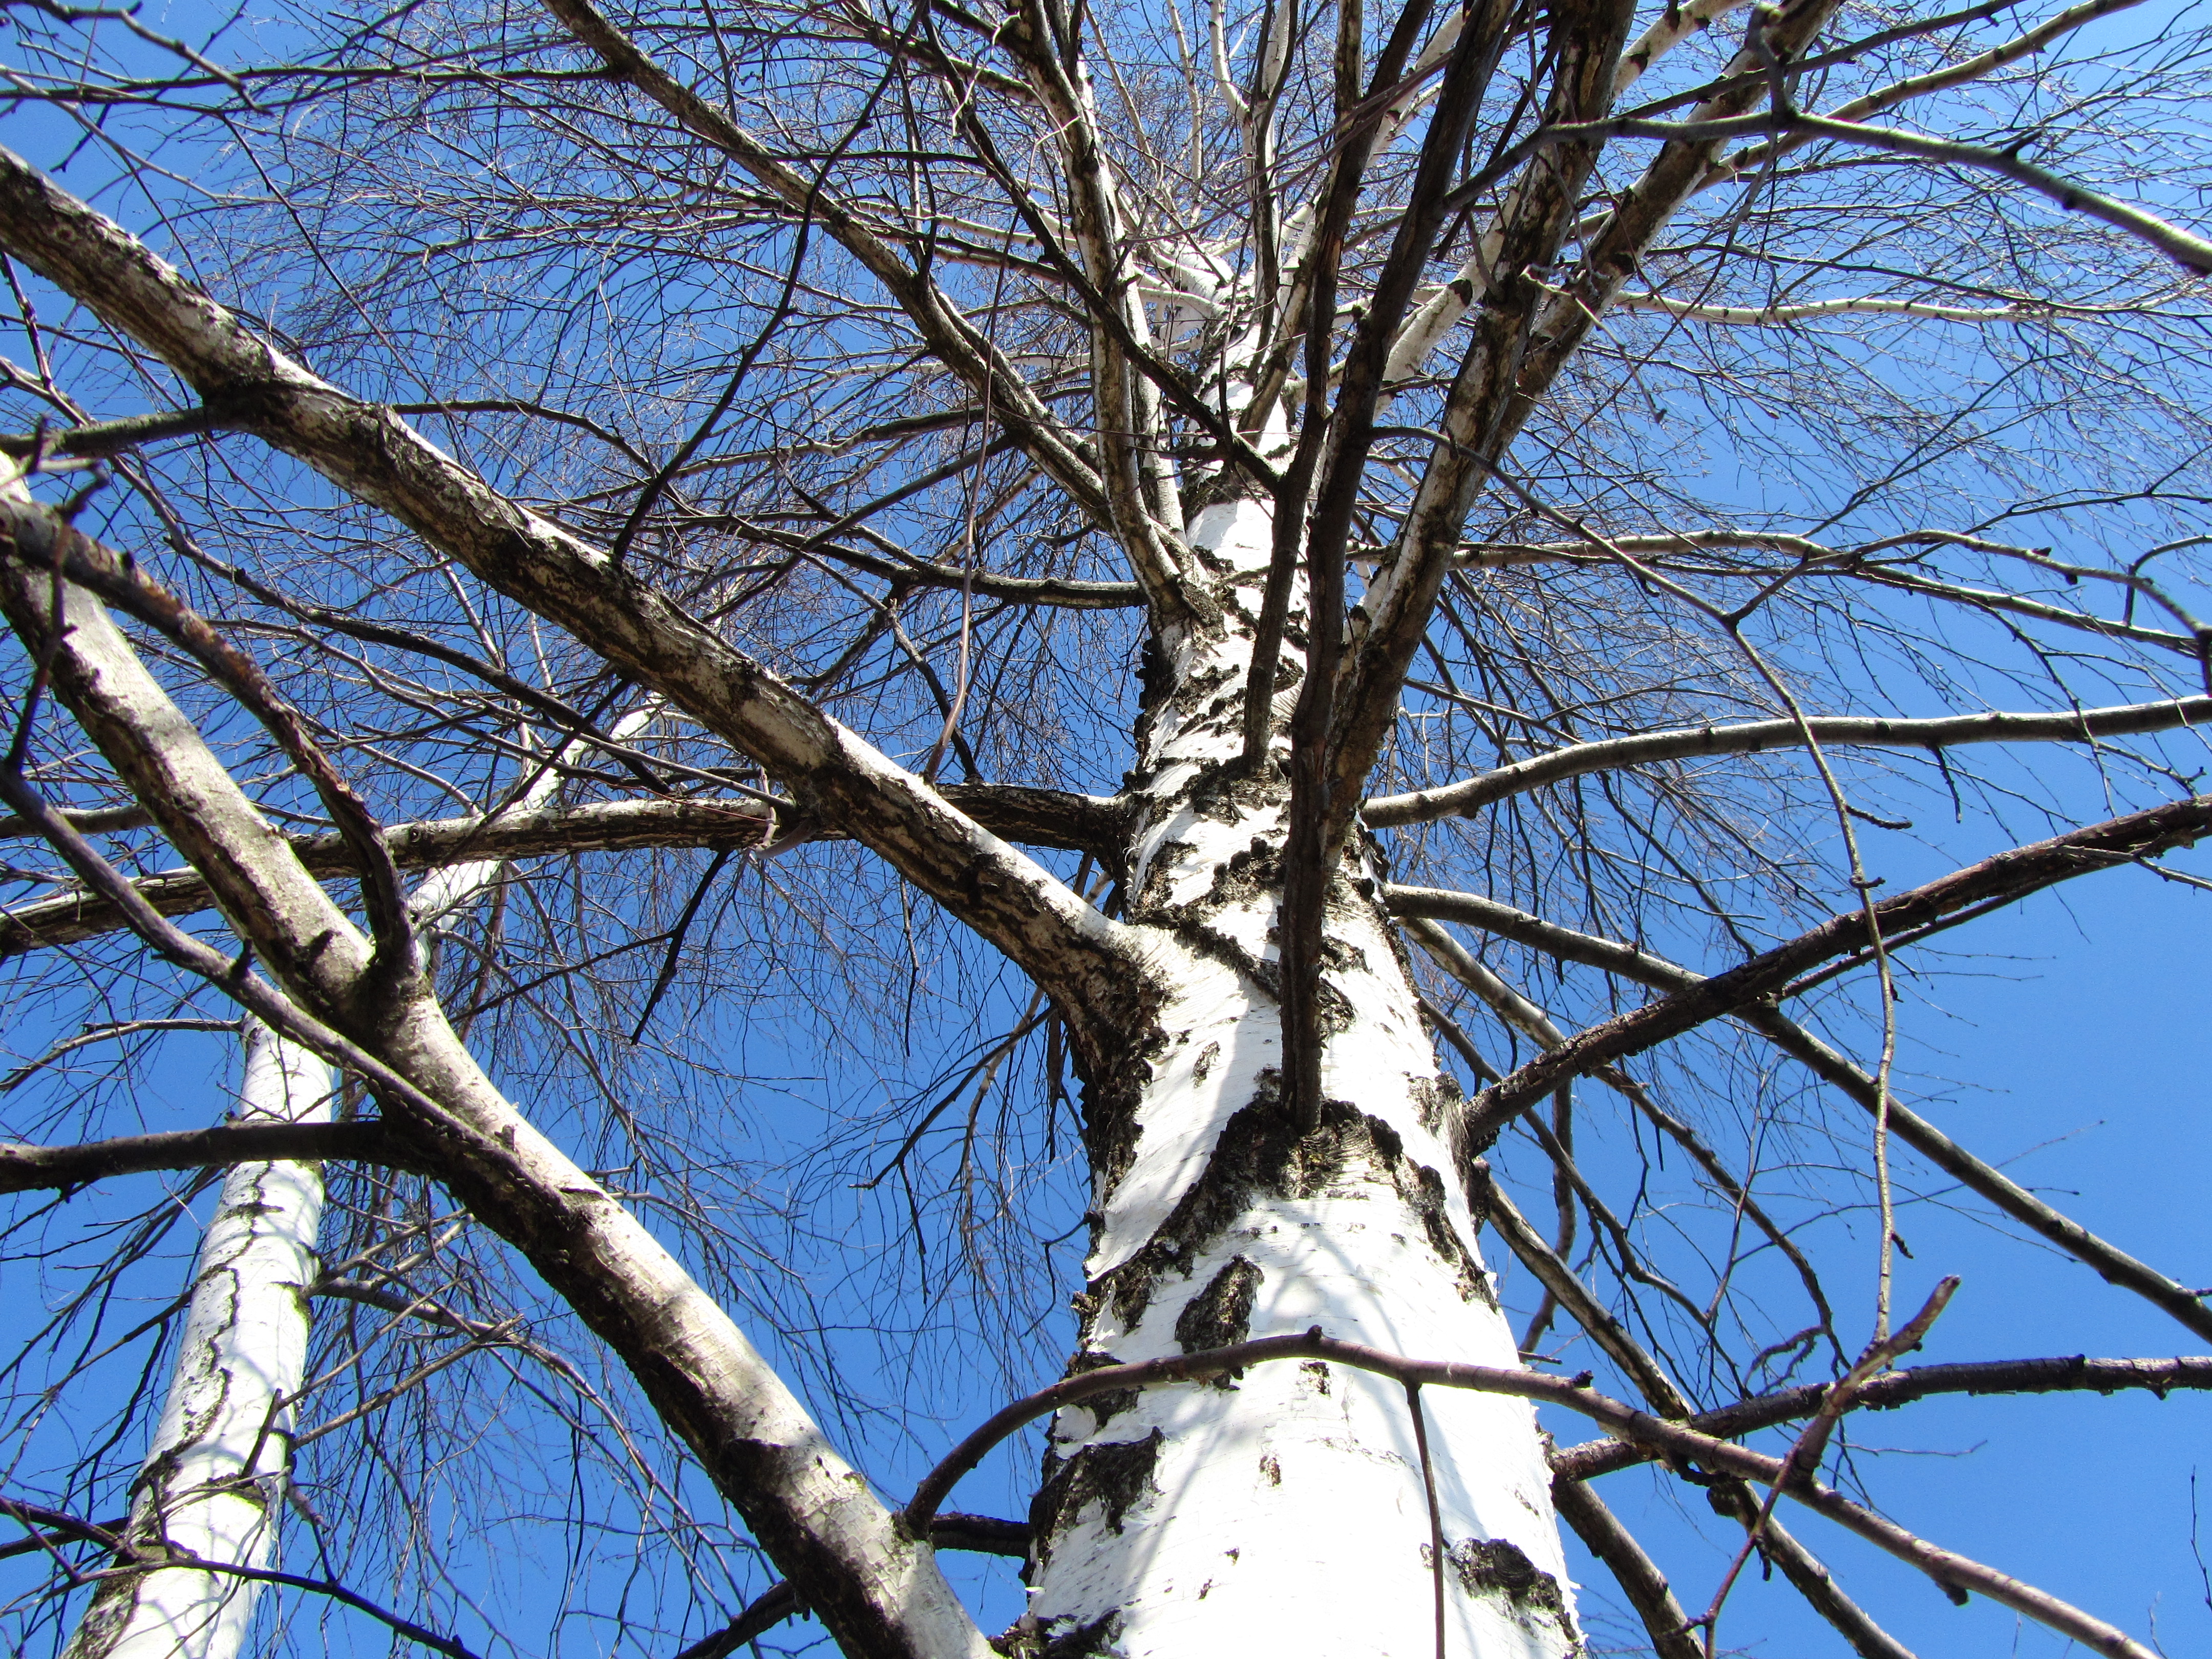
215 1471
1285 1513
213 1482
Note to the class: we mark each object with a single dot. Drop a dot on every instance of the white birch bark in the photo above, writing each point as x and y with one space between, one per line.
213 1480
1285 1513
212 1485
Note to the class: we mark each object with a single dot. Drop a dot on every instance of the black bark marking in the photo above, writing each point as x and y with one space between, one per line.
1103 1407
1259 1152
1221 1313
1028 1640
1494 1567
1118 1477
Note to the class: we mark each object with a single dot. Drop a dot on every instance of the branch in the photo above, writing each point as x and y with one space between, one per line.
982 1534
99 821
2080 726
109 437
2067 1374
297 929
880 1596
1676 1441
2002 879
956 341
35 1169
2114 1266
1617 250
1062 592
1951 74
1037 817
1545 1265
41 539
1489 400
2192 253
1783 313
1639 1575
1049 932
1806 1573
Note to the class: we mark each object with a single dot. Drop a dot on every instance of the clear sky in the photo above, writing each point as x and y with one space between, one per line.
2076 1052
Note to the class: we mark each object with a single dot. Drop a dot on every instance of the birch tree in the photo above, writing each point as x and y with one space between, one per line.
1352 601
217 1466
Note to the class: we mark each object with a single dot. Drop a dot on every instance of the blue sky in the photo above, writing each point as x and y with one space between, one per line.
2076 1051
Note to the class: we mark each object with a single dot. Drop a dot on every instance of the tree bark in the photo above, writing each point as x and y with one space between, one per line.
213 1482
1236 1516
222 1455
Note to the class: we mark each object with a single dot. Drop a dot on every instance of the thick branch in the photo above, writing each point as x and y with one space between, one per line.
35 1169
982 1534
1037 817
2114 1266
1616 251
1676 1441
1639 1575
878 1591
2007 877
2066 1374
1557 1277
1489 400
2083 725
1048 931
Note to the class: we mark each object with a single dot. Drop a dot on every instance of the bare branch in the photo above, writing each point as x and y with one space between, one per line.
2109 1263
32 1169
1036 817
2001 879
2067 1374
1946 1567
364 448
2080 726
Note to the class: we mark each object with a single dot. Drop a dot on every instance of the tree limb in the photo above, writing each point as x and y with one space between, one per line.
2065 1374
1036 817
1676 1440
2002 879
2109 1263
33 1168
1639 1575
1060 941
1756 737
879 1592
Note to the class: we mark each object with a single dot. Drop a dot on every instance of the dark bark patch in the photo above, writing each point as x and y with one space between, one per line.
1111 1128
1117 1477
1494 1567
1259 1152
1151 896
1028 1639
1244 875
1253 1144
1103 1407
1226 793
1221 1313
